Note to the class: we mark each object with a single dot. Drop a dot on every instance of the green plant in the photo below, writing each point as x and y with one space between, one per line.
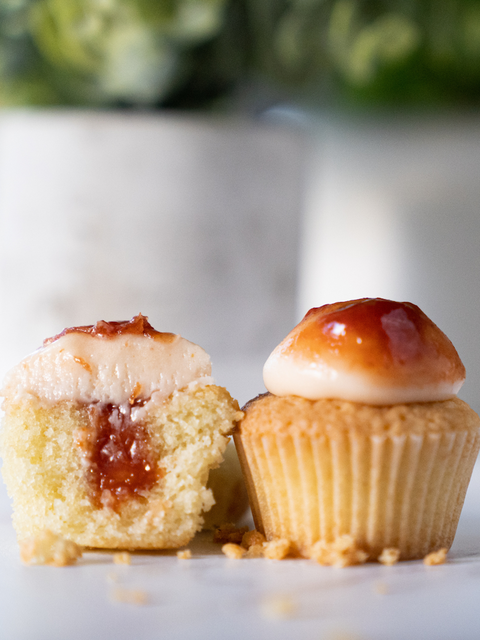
181 53
96 52
384 51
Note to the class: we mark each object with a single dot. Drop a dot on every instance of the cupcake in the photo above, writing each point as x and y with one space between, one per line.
361 435
109 435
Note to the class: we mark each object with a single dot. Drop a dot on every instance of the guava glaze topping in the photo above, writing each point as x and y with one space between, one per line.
371 350
137 326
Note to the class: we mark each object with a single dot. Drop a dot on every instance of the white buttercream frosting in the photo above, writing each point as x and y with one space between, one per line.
285 376
85 368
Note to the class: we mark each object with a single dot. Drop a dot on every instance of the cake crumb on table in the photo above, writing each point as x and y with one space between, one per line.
228 532
129 596
381 588
389 556
255 551
277 549
122 558
233 551
436 557
342 552
186 554
48 548
278 606
113 577
251 538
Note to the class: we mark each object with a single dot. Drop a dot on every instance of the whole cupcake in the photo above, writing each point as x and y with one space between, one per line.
361 433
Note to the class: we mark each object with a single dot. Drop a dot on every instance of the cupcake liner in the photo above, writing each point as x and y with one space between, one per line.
404 491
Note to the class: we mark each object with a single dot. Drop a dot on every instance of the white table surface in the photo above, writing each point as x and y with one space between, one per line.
213 597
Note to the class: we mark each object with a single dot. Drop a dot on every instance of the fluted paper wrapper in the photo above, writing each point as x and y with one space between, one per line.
403 491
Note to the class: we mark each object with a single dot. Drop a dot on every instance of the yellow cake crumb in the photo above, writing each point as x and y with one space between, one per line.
228 532
233 551
436 557
122 558
186 554
342 552
278 606
389 556
381 588
129 596
254 551
251 538
50 549
112 577
277 549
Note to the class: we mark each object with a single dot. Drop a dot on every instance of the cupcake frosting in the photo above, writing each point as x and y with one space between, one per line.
110 362
371 350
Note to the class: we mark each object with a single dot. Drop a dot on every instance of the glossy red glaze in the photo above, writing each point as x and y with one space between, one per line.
376 336
137 326
119 456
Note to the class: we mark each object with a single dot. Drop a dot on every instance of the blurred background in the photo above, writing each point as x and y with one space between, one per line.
224 165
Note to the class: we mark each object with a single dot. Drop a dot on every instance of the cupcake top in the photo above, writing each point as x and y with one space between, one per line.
371 350
110 362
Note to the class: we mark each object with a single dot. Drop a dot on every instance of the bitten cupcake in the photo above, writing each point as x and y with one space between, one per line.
109 435
361 434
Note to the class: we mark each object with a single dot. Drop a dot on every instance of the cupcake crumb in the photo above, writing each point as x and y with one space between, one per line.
255 551
233 551
278 607
251 538
436 557
129 596
228 532
48 548
277 549
185 554
381 588
389 556
342 552
112 577
122 558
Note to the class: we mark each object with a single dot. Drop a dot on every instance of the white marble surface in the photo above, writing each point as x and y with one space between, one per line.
212 597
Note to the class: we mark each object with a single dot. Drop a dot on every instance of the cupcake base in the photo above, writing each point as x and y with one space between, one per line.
389 477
